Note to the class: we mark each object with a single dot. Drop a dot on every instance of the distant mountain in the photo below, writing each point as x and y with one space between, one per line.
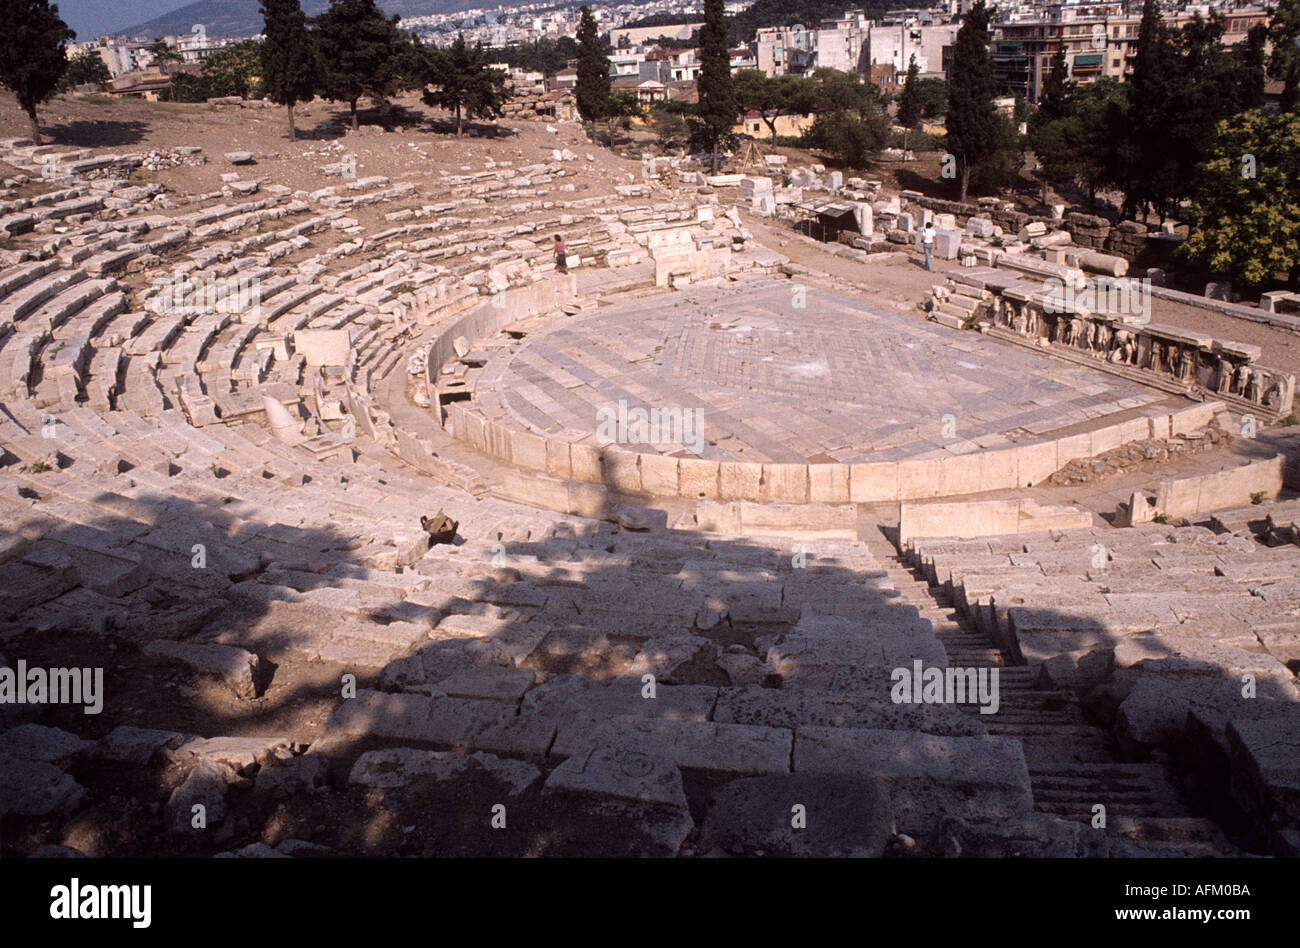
222 18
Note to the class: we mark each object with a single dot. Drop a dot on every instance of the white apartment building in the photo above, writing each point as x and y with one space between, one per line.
852 43
894 44
626 64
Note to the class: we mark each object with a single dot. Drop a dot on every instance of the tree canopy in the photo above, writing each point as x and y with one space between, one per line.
32 53
85 67
1246 202
362 53
463 82
290 69
233 70
773 96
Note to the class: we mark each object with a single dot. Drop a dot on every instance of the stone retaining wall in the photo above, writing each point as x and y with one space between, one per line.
1188 496
490 316
631 472
984 518
1011 221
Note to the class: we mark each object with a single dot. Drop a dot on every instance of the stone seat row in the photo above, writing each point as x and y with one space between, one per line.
1192 637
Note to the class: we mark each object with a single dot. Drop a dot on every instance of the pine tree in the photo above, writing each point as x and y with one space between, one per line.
718 106
361 52
32 57
289 68
974 129
463 82
593 87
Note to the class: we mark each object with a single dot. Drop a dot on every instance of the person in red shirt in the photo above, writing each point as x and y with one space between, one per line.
560 260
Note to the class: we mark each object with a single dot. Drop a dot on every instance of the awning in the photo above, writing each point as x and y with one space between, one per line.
1088 59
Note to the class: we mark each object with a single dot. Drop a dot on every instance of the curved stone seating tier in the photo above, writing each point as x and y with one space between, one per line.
133 430
1114 584
130 496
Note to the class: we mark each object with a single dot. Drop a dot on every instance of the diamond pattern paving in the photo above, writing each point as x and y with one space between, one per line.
834 379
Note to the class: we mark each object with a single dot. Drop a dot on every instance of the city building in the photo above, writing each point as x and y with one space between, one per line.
895 42
648 91
1099 39
853 43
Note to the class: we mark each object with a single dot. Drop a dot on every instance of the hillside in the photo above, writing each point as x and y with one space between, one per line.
243 17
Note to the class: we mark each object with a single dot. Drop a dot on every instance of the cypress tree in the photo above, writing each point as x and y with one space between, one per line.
593 86
909 103
32 56
718 104
974 132
1055 101
289 67
1153 111
1048 132
1252 67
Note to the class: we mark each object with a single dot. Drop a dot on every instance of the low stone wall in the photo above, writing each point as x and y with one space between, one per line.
1128 239
631 472
1189 496
986 518
491 315
1011 221
803 521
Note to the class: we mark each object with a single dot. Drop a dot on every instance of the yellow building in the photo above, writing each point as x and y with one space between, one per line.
786 125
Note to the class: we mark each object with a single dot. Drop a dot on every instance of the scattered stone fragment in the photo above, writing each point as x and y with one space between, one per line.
238 668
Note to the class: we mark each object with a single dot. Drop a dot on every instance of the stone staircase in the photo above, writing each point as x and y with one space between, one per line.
1073 764
955 305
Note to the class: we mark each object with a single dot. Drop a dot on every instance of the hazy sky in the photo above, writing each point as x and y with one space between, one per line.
91 18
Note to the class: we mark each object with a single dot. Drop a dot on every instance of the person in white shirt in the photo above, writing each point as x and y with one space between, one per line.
927 242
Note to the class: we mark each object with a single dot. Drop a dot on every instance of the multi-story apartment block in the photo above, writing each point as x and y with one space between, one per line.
779 50
626 64
853 43
895 42
1099 39
119 55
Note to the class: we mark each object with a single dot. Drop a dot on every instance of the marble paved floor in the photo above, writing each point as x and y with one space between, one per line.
784 373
